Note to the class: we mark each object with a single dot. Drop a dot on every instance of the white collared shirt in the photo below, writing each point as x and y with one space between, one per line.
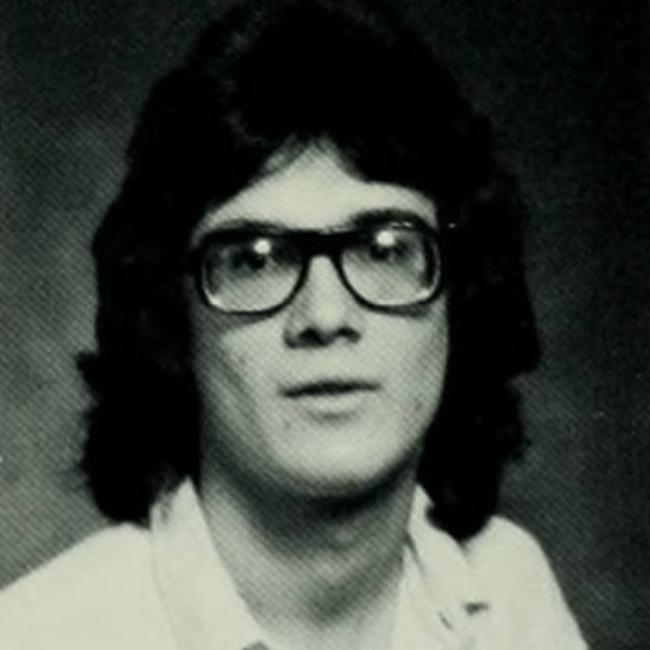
166 588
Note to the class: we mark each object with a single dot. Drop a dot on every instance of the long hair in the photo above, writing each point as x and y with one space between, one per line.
265 76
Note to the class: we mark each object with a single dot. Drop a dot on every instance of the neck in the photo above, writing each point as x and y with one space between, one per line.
336 561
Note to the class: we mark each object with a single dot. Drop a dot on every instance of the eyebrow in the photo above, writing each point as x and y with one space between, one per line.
361 219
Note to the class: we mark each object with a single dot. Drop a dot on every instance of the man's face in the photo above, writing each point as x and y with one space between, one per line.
325 397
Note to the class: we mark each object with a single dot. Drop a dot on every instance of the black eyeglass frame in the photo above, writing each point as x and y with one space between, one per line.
310 243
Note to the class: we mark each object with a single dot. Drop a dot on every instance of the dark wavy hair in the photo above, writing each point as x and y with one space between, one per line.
266 76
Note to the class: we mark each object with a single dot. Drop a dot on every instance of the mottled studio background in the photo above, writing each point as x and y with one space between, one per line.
567 83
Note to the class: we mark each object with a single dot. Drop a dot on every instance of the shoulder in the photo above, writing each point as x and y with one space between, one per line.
501 557
98 594
504 548
501 578
524 596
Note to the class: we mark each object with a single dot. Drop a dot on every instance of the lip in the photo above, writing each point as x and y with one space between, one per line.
329 388
332 400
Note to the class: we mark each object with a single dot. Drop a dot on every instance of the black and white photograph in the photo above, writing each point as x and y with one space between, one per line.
325 325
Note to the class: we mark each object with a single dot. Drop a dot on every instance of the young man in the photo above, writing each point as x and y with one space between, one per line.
311 304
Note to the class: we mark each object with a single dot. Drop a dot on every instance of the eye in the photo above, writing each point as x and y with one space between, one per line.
247 257
392 246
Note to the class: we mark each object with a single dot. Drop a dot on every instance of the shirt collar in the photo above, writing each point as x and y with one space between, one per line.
439 596
199 595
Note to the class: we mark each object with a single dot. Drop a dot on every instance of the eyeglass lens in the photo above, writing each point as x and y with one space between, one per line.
392 265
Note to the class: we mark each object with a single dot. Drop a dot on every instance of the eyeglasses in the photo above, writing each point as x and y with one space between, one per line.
388 265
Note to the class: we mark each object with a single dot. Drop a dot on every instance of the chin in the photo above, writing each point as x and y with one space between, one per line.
349 480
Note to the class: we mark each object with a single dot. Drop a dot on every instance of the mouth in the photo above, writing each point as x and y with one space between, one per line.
329 388
332 400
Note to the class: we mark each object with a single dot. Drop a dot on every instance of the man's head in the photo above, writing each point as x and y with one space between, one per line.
301 91
317 374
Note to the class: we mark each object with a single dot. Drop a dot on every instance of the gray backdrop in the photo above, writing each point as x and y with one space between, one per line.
567 83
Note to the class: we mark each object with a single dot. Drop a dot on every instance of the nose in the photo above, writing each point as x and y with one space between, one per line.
324 311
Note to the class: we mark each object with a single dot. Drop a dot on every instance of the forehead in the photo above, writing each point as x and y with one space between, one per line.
314 190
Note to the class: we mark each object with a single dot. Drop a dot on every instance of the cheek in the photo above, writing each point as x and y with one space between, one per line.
430 378
231 368
423 368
